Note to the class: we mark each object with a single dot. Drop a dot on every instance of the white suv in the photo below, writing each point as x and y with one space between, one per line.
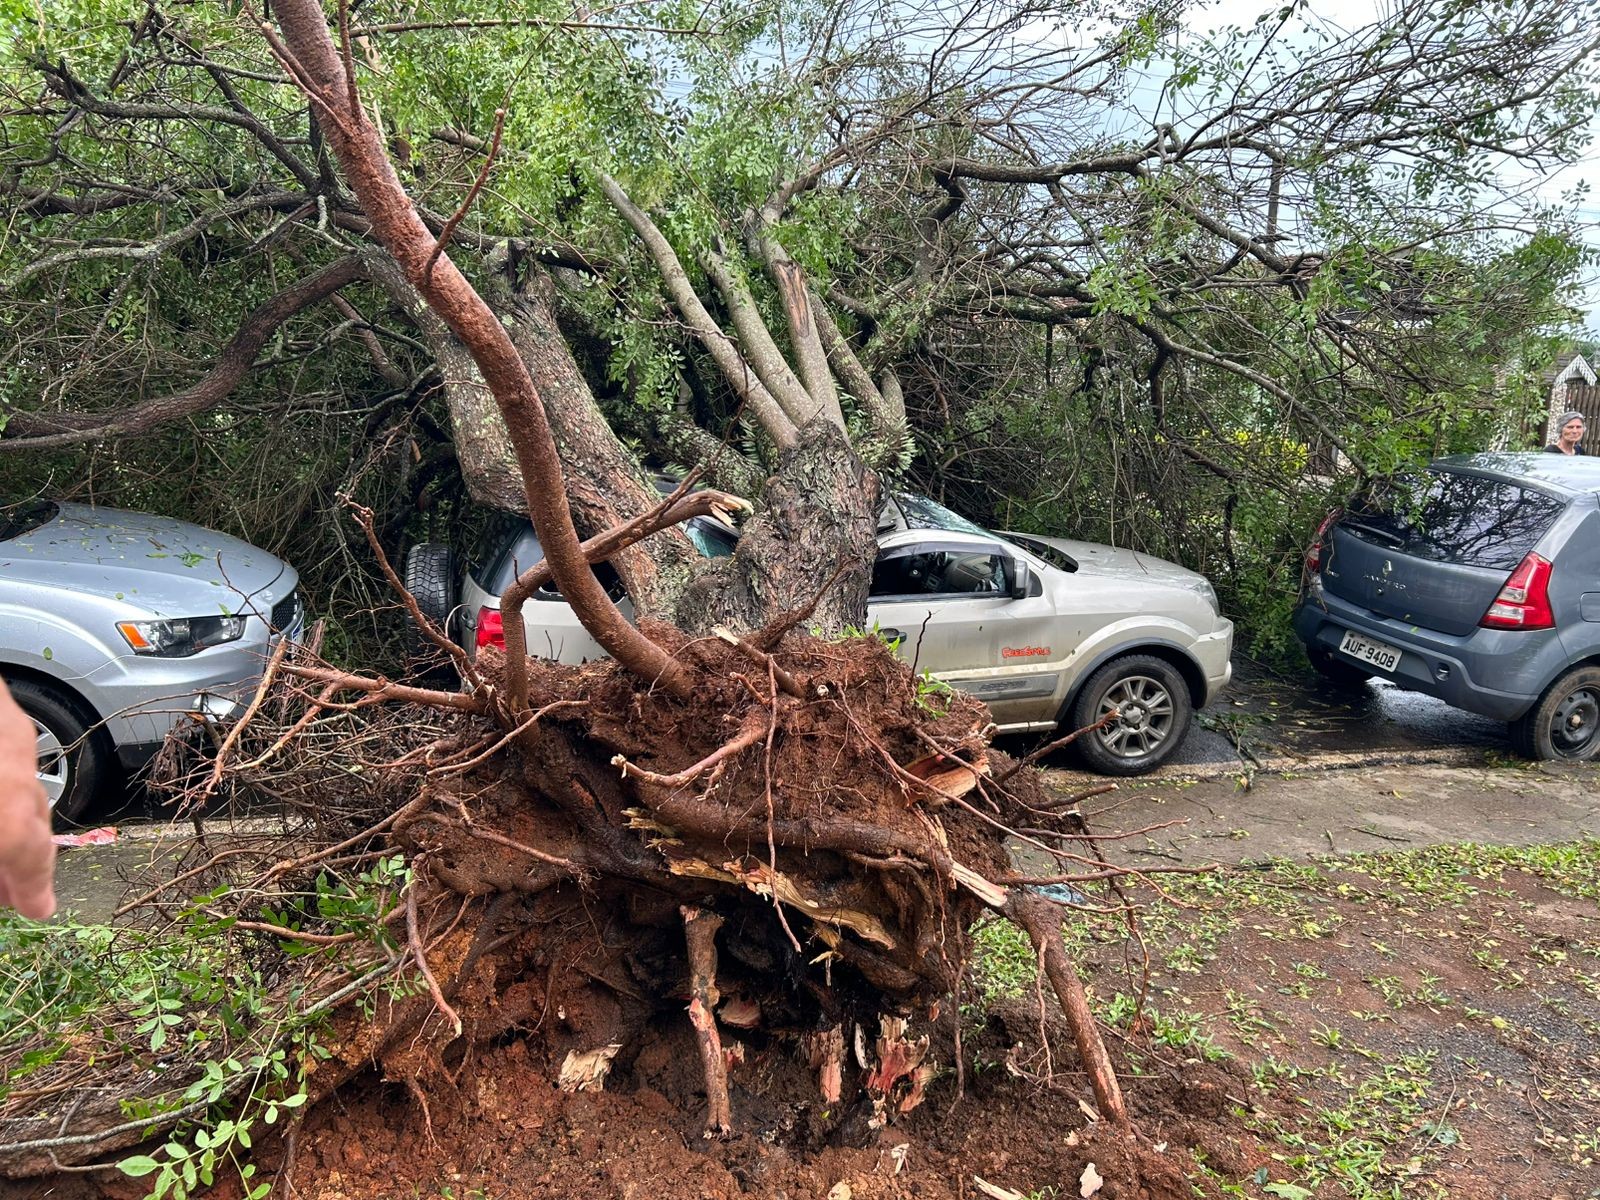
1049 633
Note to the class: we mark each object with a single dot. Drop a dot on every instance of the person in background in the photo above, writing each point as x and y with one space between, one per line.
27 855
1569 434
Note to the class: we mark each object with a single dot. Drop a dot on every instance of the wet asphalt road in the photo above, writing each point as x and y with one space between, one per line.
1264 718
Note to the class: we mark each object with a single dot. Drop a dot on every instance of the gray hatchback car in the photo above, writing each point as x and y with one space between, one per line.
114 625
1478 582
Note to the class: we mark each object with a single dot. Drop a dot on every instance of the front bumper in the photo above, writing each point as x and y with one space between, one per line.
142 698
1214 653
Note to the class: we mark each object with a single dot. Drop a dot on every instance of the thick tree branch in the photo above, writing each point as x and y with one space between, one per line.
41 431
755 339
811 360
886 418
739 374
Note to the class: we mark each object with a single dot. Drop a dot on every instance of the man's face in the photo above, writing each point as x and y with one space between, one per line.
1572 431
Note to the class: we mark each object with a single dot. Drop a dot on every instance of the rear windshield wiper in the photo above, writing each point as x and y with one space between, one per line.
1394 539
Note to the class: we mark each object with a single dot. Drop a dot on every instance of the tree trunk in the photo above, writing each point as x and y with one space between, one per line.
816 517
816 521
605 484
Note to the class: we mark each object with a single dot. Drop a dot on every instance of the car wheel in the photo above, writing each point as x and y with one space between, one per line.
1155 709
1338 671
72 756
430 577
1565 723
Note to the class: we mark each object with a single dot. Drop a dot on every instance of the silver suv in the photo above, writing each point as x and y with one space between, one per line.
1049 633
115 625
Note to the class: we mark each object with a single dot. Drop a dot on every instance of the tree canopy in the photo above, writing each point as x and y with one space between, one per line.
1005 247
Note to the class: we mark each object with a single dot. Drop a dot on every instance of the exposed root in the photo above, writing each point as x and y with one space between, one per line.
419 954
700 930
823 857
1042 920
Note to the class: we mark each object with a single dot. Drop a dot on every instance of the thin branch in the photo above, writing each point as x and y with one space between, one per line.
472 192
42 431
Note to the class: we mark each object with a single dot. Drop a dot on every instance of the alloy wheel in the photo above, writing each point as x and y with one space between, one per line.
1145 714
54 771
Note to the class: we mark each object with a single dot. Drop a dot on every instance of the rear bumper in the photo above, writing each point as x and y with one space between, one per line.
1452 668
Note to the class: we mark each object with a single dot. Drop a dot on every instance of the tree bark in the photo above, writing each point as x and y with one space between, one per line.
816 521
606 487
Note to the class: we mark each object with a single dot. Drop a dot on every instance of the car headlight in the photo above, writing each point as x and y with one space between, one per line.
1209 594
180 636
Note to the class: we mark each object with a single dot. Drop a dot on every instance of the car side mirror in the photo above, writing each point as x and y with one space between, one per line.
1020 578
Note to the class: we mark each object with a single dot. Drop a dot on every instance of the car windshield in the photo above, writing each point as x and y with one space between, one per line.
25 517
922 513
1448 517
1059 559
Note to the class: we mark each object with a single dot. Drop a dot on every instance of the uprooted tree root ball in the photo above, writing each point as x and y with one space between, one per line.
804 874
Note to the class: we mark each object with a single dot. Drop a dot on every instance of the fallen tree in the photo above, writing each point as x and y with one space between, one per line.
788 830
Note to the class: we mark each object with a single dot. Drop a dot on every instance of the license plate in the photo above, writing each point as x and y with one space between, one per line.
1375 654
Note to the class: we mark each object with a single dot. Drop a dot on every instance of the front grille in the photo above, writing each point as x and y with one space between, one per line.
286 612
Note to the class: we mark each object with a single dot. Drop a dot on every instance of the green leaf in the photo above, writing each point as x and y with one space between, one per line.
138 1165
1288 1191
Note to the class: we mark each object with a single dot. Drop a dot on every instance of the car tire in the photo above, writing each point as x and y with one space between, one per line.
80 751
430 577
1156 697
1565 723
1340 672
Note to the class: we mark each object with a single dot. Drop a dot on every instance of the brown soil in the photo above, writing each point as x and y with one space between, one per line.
507 1133
1494 984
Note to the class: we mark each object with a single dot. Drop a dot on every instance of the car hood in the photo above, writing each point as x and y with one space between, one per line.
170 568
1094 559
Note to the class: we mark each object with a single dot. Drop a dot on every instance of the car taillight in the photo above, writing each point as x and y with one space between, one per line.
491 630
1314 555
1524 601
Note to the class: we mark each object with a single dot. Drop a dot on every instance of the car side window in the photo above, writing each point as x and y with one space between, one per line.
713 541
929 569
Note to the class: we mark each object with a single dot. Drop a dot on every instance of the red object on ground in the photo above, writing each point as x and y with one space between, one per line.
103 836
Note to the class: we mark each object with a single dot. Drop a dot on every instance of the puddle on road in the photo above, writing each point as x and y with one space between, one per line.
1305 717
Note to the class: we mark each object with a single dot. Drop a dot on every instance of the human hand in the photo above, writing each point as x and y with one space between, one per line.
27 855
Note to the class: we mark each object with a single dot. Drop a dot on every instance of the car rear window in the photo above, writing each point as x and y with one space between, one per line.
1442 516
